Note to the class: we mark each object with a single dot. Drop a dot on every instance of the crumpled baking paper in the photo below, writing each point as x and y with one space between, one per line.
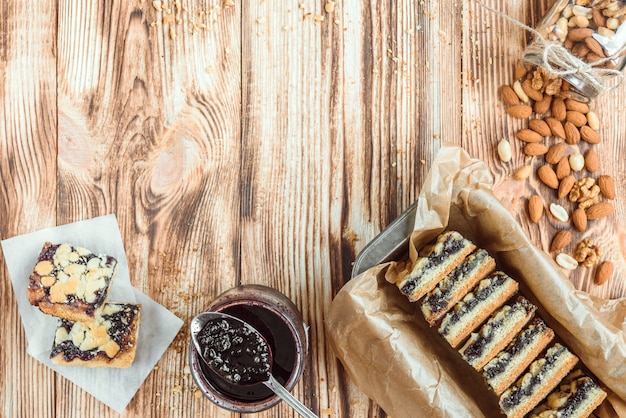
112 386
392 355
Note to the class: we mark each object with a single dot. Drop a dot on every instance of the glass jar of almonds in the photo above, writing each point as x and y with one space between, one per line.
583 42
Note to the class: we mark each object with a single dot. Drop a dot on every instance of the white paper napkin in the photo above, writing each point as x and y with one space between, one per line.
114 387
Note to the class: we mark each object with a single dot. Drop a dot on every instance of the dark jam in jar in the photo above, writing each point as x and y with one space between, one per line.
282 345
234 351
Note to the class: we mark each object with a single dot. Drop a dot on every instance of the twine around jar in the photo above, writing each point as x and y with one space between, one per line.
557 60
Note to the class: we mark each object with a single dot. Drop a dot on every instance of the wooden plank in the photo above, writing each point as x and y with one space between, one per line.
149 130
28 186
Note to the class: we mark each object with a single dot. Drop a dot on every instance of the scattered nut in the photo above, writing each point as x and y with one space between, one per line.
600 210
504 150
561 240
555 153
533 149
559 212
592 161
535 208
586 253
523 172
519 91
603 272
579 219
576 161
566 261
562 168
607 186
565 186
548 176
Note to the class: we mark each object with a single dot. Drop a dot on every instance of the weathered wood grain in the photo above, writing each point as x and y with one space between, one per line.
28 146
251 142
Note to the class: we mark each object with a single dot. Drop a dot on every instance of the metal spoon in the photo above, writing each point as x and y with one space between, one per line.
260 375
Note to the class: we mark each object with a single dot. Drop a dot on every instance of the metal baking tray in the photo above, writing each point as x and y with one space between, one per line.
391 244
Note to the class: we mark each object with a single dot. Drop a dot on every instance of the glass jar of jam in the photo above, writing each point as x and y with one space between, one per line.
280 322
583 42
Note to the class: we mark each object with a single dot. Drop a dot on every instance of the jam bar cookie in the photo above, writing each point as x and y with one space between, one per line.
110 340
543 375
497 332
456 284
476 306
576 397
508 365
70 282
434 263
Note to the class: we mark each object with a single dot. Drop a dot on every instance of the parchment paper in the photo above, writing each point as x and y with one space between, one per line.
158 327
397 360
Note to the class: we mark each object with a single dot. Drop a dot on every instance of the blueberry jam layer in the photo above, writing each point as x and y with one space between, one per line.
447 287
515 396
234 351
450 247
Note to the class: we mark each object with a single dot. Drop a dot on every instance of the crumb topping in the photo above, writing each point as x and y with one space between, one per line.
108 333
74 273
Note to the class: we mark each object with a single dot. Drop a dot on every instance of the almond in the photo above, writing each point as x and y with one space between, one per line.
563 168
555 153
535 208
595 47
534 148
579 34
543 105
579 218
520 70
577 118
572 134
571 104
600 210
565 186
559 111
607 186
540 126
598 18
592 162
556 127
530 91
528 135
589 135
603 272
519 111
548 176
561 240
508 95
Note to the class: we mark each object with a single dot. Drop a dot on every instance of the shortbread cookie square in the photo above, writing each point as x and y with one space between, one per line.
70 282
110 340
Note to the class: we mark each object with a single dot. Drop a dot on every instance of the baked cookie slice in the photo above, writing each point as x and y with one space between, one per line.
577 396
543 375
457 284
497 332
467 314
434 262
70 282
510 363
109 340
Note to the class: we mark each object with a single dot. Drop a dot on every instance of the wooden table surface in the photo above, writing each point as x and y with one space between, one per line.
251 142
